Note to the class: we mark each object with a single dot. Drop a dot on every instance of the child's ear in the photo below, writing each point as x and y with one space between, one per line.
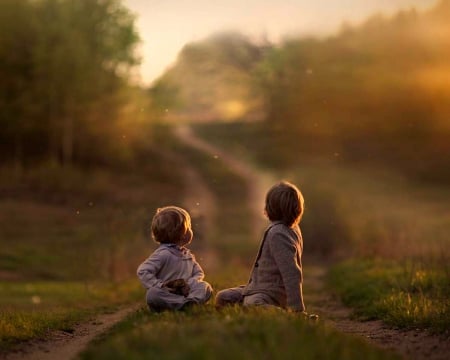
187 237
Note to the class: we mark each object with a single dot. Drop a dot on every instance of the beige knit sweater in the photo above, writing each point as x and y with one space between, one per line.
277 271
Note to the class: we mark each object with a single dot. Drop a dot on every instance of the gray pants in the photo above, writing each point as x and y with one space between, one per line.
235 296
160 299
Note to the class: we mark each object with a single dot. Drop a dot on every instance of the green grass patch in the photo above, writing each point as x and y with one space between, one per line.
232 333
29 310
404 295
204 332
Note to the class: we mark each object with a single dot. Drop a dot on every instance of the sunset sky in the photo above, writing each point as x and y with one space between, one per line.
165 26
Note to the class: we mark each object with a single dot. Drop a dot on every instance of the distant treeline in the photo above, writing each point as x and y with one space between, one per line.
64 69
378 93
375 94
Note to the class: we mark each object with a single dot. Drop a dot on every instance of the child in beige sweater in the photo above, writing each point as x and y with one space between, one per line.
276 277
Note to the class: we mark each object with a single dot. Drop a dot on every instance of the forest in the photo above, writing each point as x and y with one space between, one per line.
375 94
66 68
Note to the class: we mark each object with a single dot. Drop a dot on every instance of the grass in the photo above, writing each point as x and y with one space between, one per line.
231 333
29 310
71 239
401 294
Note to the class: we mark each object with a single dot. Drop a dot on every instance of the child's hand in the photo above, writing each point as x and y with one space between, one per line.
177 286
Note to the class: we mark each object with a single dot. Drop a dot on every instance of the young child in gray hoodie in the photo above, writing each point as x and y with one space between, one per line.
171 275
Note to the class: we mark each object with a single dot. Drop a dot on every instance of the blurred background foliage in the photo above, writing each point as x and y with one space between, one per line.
374 94
377 93
374 97
64 86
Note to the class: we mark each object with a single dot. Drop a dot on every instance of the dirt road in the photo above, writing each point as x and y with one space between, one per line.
63 345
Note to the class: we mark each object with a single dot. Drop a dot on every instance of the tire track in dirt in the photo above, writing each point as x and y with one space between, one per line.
256 181
409 344
64 345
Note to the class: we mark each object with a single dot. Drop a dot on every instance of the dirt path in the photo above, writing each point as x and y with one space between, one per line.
257 181
64 345
411 344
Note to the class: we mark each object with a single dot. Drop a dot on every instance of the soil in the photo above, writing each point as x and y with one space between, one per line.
67 345
411 344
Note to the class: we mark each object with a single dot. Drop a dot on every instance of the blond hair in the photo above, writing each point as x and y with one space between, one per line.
170 224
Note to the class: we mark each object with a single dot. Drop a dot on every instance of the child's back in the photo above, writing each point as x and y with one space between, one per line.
276 277
171 275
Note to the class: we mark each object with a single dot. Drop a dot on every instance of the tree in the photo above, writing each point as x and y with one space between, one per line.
17 39
84 48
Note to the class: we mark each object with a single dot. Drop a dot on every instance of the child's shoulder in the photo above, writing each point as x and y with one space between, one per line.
161 251
277 226
169 250
282 229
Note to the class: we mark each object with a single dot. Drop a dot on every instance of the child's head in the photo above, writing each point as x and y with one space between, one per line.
284 202
172 225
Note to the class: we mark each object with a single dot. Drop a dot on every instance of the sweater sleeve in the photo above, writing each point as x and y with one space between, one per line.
197 272
284 251
148 270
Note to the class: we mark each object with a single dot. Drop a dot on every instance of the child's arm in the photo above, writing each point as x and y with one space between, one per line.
284 251
147 271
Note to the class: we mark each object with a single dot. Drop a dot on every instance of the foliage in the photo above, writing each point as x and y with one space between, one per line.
64 69
211 80
373 94
407 294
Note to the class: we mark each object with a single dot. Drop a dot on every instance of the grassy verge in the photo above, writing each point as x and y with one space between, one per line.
232 333
404 295
30 310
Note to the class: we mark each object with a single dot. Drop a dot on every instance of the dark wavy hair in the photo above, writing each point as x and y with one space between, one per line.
284 202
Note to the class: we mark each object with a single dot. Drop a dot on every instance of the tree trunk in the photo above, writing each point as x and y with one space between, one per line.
67 140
